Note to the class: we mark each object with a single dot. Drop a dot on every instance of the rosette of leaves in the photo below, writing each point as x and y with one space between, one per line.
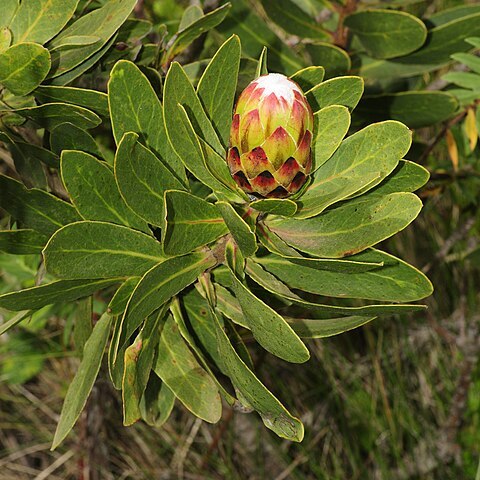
191 266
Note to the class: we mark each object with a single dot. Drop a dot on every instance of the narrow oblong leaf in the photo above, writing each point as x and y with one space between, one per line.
135 107
160 284
100 250
83 97
255 34
82 384
327 327
396 281
138 362
240 230
23 67
35 209
181 372
284 207
276 286
216 88
62 291
268 327
94 192
102 22
363 158
41 20
119 301
334 59
370 220
309 77
186 36
50 115
179 91
345 91
331 124
254 393
21 242
288 15
142 179
190 222
387 33
262 68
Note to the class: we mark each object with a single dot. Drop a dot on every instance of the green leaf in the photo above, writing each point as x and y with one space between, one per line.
15 320
365 157
216 88
76 41
179 90
34 152
9 7
262 68
185 37
92 188
268 327
82 328
27 165
463 79
254 393
387 33
135 107
23 67
190 15
275 244
160 284
203 328
345 91
328 327
190 222
331 124
157 402
142 179
100 250
70 137
102 22
255 35
180 371
50 115
39 21
281 267
288 15
351 227
119 301
82 384
72 74
240 230
468 59
454 13
138 361
35 209
21 242
333 59
407 177
415 109
62 291
396 281
83 97
218 176
217 166
275 206
308 77
442 42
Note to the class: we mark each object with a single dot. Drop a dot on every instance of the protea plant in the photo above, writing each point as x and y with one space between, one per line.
270 139
183 262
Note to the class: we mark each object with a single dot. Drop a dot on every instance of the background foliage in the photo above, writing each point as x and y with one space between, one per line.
395 399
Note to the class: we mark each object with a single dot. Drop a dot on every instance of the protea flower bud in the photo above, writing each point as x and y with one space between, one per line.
270 139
